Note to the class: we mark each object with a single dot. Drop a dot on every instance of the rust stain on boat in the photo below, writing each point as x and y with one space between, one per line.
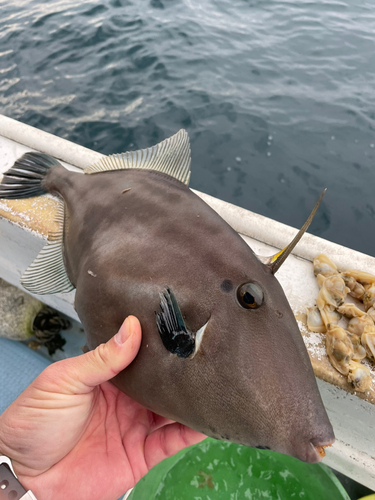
34 214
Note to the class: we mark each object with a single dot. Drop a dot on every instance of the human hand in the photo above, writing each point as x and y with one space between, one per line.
73 435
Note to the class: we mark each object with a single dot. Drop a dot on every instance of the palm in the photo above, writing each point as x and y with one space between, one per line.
115 442
71 434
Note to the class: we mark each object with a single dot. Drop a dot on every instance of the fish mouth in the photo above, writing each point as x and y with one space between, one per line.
316 452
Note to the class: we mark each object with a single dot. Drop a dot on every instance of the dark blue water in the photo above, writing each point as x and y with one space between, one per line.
278 96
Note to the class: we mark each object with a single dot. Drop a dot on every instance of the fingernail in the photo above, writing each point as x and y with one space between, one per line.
124 333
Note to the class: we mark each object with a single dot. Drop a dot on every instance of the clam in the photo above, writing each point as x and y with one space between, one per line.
358 325
315 321
369 297
356 289
330 316
339 349
345 348
350 310
371 313
320 279
324 266
368 342
359 375
359 350
362 277
332 292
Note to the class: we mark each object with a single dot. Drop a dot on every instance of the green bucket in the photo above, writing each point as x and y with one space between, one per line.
217 470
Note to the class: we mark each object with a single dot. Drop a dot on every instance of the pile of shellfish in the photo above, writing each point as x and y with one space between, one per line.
349 326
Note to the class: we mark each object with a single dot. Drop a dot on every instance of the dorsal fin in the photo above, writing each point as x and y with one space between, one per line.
172 157
47 273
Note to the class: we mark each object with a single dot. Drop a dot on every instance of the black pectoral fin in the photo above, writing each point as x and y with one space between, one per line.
172 329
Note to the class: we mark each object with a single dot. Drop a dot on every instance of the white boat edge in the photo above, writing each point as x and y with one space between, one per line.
264 229
352 418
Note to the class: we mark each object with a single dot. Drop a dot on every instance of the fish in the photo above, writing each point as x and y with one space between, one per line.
221 351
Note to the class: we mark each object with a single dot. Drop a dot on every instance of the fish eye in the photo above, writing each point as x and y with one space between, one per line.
250 296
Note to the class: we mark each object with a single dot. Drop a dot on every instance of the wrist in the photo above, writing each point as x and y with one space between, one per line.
10 486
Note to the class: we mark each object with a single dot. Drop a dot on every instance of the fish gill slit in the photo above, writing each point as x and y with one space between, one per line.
198 339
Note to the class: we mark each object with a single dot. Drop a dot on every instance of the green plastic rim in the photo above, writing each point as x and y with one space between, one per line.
217 470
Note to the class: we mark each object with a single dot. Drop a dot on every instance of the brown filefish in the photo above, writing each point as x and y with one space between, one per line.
221 350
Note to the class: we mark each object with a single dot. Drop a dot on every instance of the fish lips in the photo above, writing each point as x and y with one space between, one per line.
314 453
308 449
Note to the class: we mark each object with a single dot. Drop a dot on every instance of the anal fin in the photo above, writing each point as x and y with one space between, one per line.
47 274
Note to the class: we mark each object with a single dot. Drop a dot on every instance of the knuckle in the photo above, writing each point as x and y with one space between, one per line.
101 355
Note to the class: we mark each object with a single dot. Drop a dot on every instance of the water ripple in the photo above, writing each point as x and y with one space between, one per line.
124 74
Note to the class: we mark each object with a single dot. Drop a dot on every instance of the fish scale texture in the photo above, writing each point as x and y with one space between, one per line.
19 366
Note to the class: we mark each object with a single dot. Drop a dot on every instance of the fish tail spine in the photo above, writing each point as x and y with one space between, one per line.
25 178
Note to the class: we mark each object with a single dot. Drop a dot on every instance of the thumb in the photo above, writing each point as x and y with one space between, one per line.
107 360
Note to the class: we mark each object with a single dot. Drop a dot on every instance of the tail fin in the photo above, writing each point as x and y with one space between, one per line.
25 178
